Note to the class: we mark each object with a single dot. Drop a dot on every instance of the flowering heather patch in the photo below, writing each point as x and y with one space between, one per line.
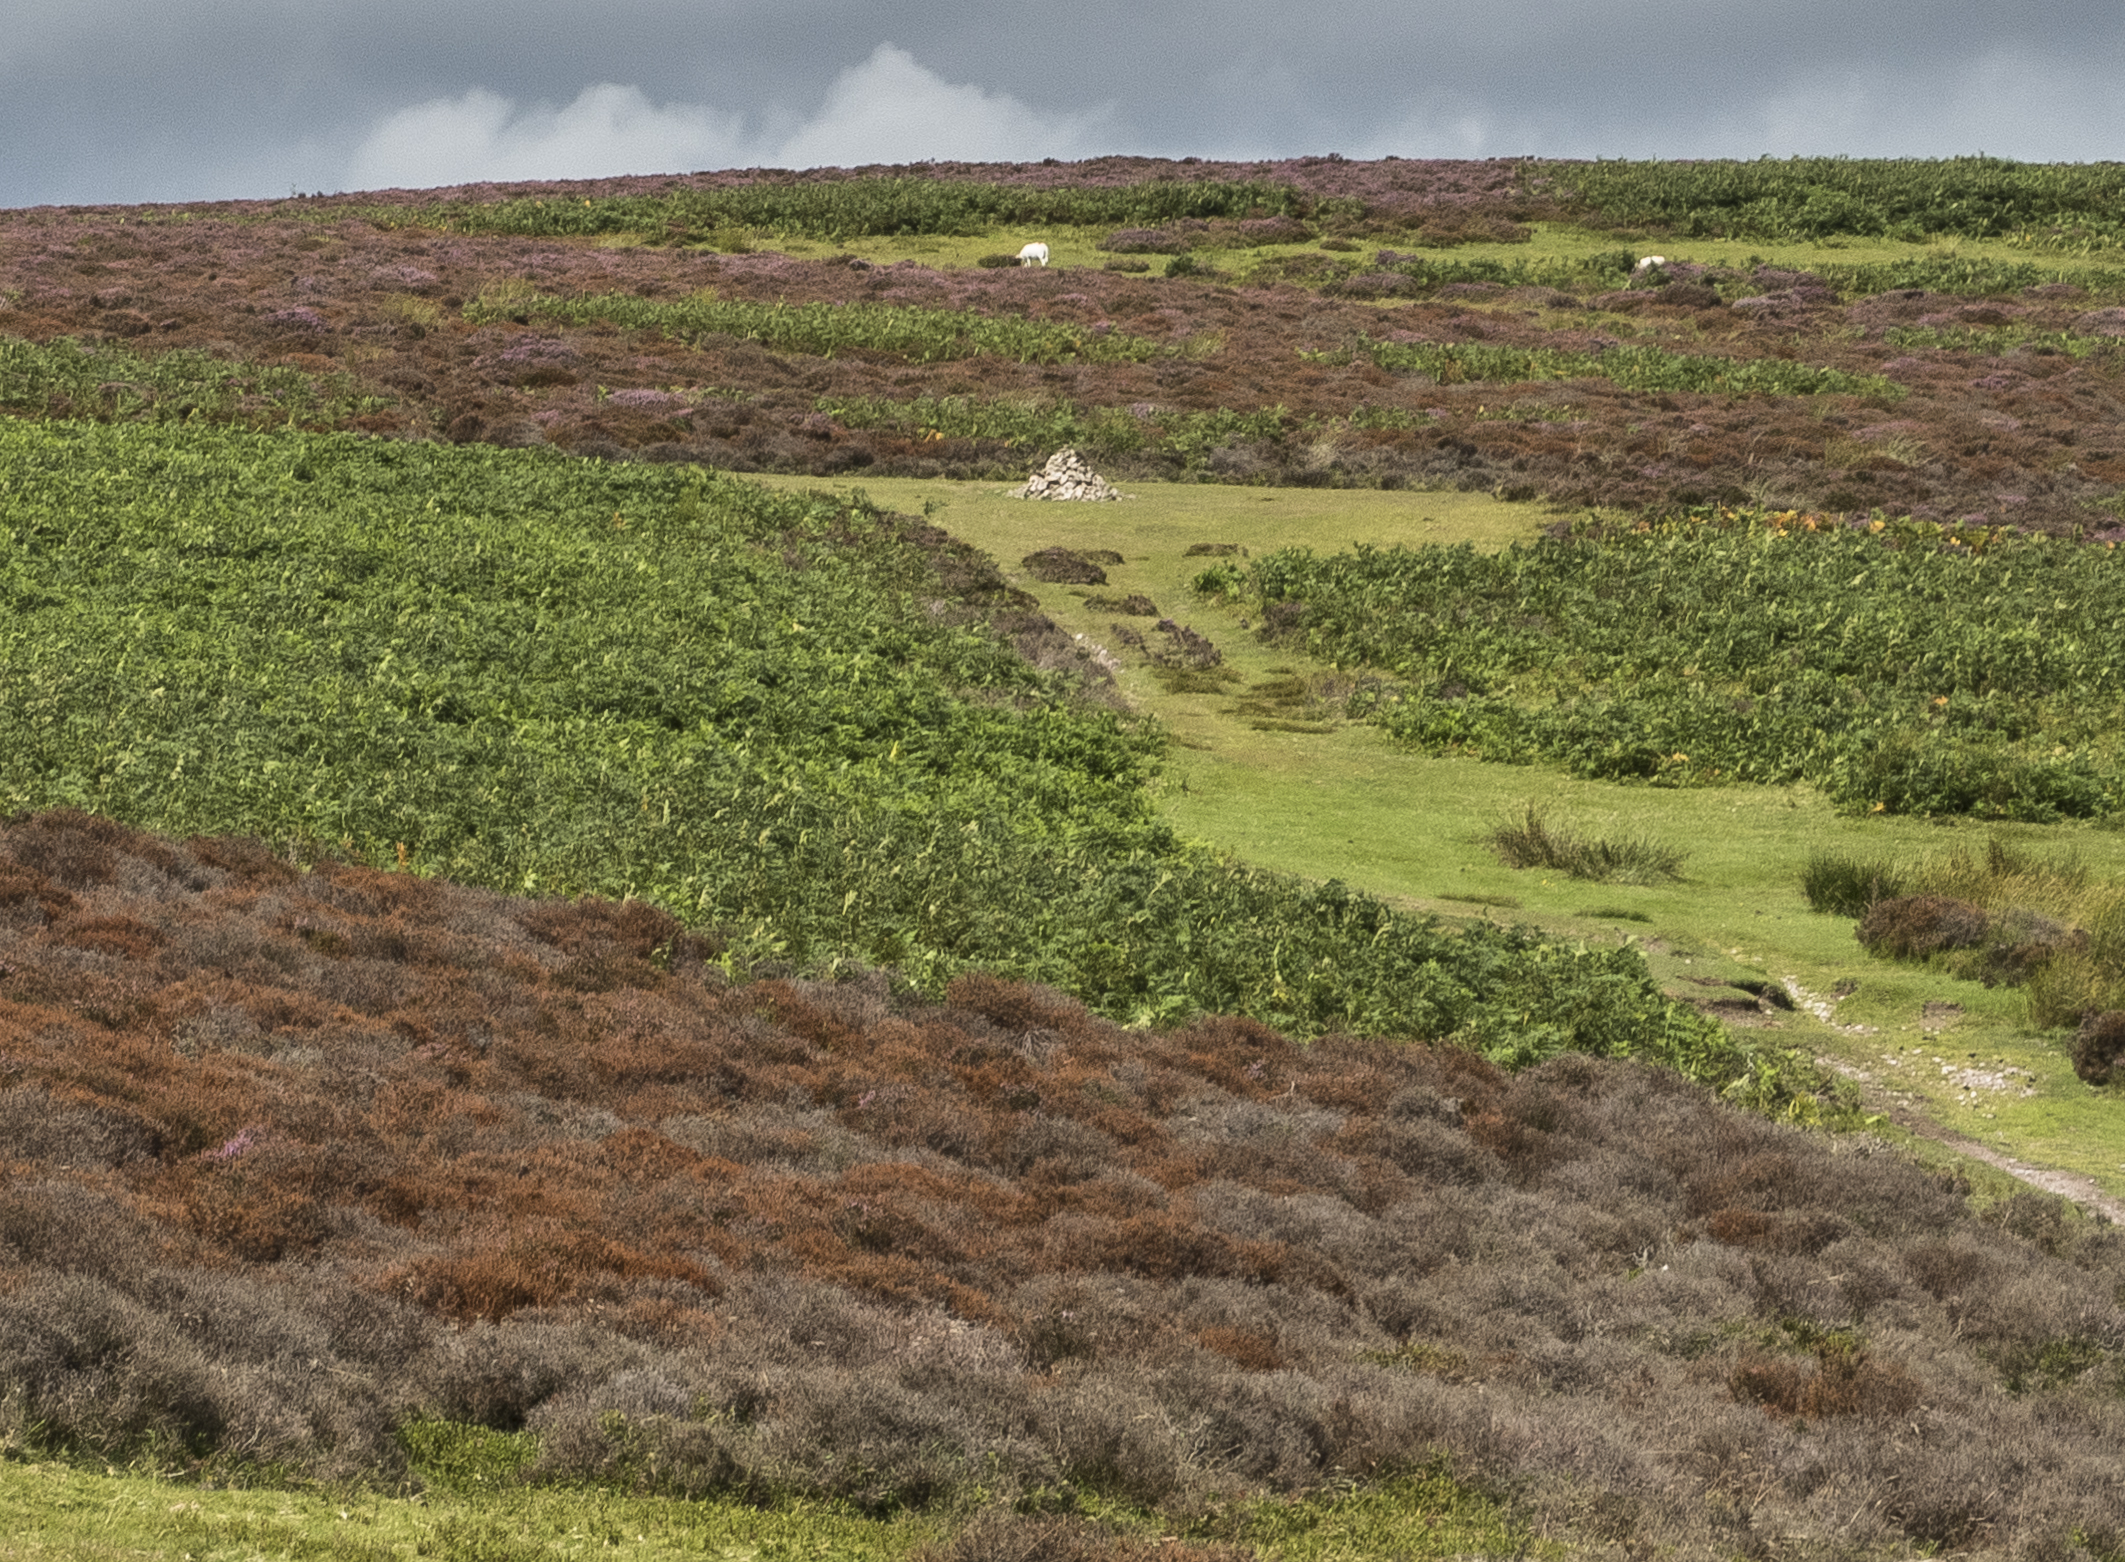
648 400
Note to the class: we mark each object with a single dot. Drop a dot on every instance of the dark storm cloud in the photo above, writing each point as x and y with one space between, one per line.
124 101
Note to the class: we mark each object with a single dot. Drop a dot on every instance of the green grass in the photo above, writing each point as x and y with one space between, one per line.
1826 197
65 1513
66 378
57 1512
842 209
1901 667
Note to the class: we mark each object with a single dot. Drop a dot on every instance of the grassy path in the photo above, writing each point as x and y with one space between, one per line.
1953 1062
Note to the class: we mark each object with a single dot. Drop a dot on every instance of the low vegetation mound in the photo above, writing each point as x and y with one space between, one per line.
1533 841
301 1163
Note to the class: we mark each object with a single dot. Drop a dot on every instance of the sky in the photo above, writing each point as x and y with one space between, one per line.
118 100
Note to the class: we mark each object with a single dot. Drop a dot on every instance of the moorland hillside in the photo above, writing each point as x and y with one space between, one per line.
522 952
299 1162
1933 338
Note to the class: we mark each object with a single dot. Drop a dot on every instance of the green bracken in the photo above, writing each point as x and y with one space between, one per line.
522 670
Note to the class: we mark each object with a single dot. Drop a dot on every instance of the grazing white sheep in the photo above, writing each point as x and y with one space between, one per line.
1648 262
1032 254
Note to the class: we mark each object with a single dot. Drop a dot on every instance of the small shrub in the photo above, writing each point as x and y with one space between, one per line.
1063 567
1533 843
1135 605
1844 886
2099 1046
1844 1382
996 262
1917 927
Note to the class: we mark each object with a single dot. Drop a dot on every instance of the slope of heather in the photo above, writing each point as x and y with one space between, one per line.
1346 335
295 1159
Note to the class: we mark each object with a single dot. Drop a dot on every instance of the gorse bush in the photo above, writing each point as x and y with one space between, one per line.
524 671
1899 666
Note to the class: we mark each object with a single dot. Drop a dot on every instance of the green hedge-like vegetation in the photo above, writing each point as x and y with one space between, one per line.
919 335
854 208
63 377
1633 368
1899 666
523 670
1799 198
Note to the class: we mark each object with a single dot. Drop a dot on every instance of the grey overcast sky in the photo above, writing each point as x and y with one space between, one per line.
117 100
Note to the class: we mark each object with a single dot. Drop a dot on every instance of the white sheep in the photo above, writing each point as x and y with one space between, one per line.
1033 254
1648 262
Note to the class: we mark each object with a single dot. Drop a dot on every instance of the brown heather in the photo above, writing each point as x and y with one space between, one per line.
290 1156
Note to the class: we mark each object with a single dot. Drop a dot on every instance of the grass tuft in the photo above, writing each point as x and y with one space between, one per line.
1533 842
1847 886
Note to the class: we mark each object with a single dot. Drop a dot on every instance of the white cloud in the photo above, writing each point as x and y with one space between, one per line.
606 130
889 109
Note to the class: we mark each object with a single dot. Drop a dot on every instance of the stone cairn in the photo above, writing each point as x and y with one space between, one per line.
1066 476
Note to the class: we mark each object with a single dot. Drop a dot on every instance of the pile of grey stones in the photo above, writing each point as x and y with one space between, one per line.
1067 476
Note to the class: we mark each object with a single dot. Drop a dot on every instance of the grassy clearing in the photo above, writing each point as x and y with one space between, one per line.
2001 914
